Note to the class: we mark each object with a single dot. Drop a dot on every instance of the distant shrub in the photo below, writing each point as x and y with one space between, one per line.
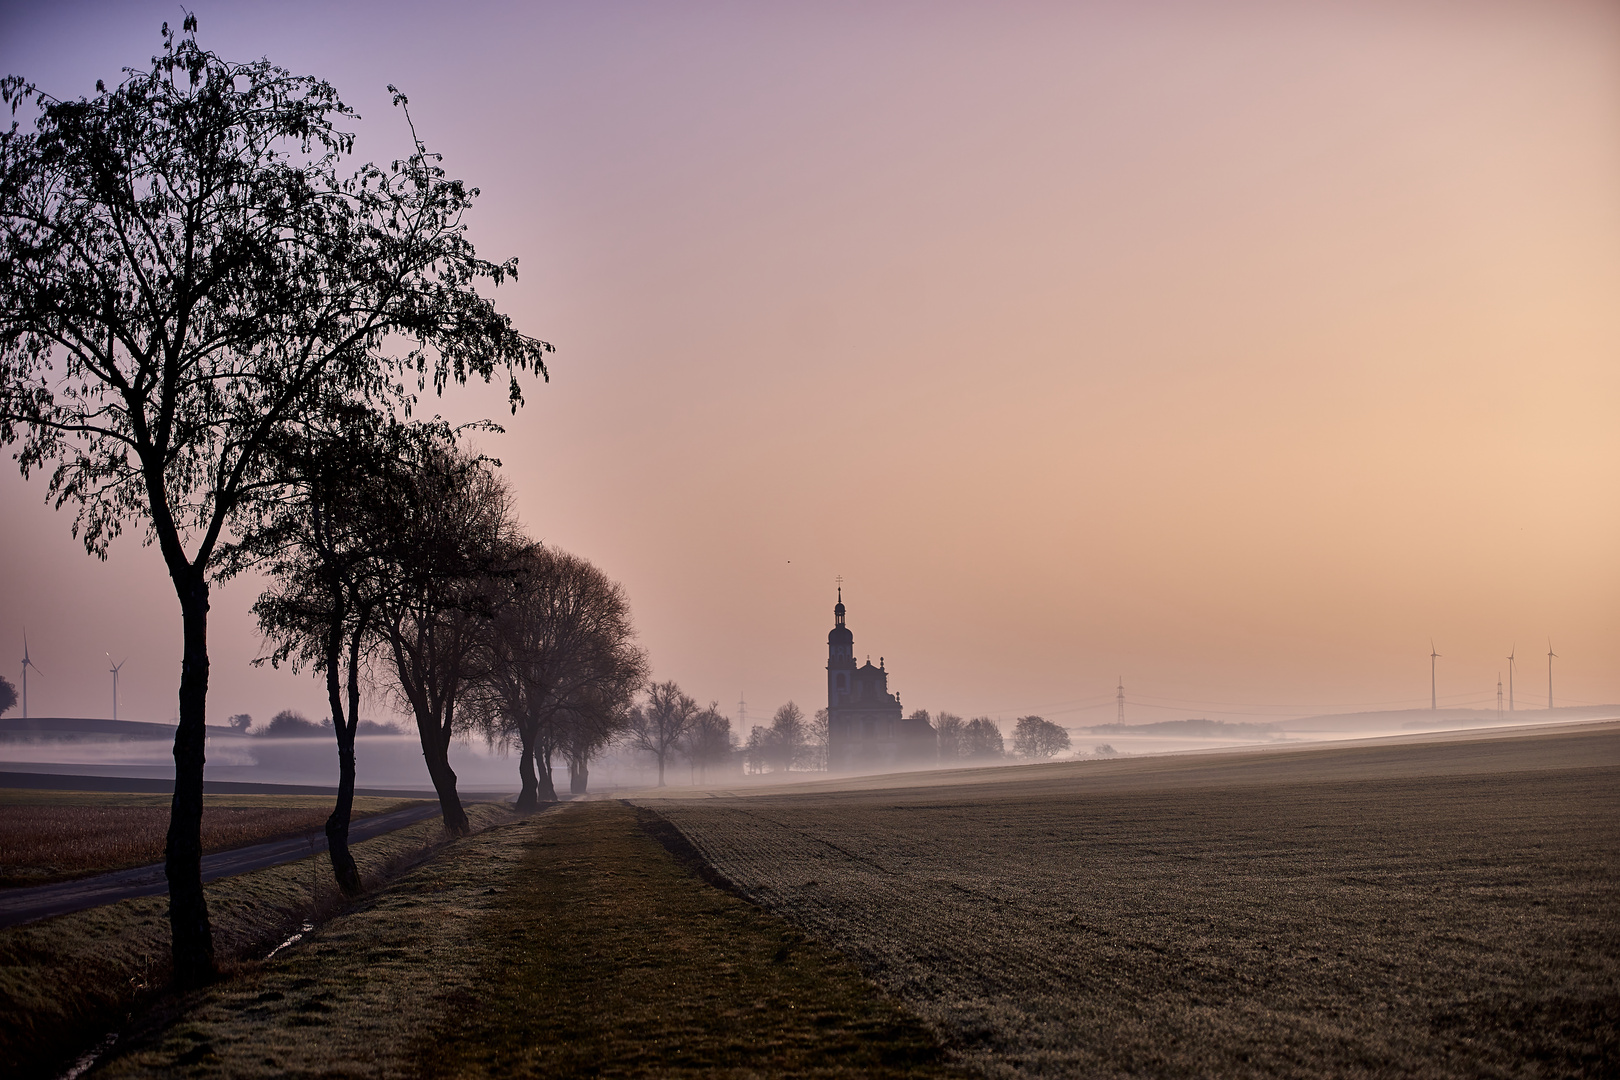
289 723
377 727
1106 751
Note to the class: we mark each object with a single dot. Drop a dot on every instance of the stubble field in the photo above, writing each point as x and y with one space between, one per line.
1443 909
48 836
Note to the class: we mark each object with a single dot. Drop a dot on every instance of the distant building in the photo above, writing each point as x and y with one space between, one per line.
866 731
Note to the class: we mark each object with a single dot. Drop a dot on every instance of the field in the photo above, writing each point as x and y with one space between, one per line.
50 836
568 944
1442 908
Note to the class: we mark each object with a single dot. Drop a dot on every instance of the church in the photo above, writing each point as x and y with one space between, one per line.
866 731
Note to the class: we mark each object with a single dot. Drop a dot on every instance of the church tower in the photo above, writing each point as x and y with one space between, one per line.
840 658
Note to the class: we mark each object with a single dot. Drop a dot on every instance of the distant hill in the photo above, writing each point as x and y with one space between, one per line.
72 727
1201 729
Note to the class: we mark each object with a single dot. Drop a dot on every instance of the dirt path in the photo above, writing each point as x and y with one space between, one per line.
568 944
18 906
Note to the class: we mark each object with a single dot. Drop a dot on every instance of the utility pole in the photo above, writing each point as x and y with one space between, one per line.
1510 678
1120 699
1434 698
1550 655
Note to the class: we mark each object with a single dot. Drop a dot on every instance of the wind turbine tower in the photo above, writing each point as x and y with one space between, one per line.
27 663
1120 700
114 670
1550 655
1498 696
1510 677
1434 698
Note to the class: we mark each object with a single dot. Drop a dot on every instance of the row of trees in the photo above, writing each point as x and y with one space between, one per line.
207 316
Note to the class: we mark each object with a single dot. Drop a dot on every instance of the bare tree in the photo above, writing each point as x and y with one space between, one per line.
981 740
661 722
562 668
787 737
757 751
445 537
1037 738
817 740
709 742
951 747
181 264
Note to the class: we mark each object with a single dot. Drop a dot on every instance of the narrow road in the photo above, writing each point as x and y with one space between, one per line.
42 901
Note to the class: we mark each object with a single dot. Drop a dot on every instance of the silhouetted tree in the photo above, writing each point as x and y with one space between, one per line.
241 721
1037 738
708 742
981 740
951 747
787 737
290 723
342 464
181 264
817 739
8 695
562 666
757 750
445 537
660 723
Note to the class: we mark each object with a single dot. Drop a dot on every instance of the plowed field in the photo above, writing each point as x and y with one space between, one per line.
1398 910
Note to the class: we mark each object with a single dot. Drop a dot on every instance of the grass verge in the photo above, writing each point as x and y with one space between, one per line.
568 944
66 981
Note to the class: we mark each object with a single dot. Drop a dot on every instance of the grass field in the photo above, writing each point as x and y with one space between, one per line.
1443 909
570 944
50 836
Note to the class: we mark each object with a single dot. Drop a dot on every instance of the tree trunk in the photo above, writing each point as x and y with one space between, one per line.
192 937
579 775
528 796
548 791
660 770
437 754
337 826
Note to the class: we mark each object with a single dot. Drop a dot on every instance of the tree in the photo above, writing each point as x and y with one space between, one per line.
757 751
8 695
181 264
951 748
1037 738
817 740
659 725
319 546
562 666
787 737
981 740
443 539
241 722
708 742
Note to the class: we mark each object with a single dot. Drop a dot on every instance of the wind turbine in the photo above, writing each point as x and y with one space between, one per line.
114 670
1510 677
1434 699
27 663
1550 655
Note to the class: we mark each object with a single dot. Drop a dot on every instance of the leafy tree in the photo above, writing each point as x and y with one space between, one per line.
658 725
182 262
8 695
981 740
1037 738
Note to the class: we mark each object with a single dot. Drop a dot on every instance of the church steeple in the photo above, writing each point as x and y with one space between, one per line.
838 608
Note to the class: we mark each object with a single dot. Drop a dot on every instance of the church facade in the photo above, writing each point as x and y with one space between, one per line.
866 728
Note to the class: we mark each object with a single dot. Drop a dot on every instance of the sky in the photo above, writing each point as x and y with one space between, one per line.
1233 350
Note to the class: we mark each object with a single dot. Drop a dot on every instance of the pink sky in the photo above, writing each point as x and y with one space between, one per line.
1235 348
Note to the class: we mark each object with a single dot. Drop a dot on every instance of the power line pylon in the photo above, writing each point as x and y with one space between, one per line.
1120 700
